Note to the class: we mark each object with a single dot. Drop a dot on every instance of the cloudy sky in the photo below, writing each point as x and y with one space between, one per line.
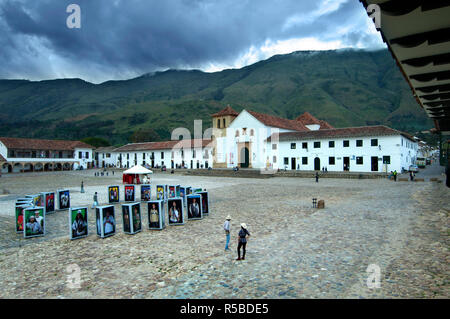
121 39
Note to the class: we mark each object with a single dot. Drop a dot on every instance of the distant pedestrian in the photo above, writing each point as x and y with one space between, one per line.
317 177
395 175
242 241
411 175
113 173
226 227
447 173
95 200
326 169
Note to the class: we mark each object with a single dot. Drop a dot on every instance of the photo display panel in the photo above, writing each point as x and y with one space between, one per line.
78 222
175 211
34 220
194 207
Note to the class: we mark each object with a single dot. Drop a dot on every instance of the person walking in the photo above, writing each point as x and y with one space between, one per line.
242 241
395 175
411 175
226 227
95 200
317 177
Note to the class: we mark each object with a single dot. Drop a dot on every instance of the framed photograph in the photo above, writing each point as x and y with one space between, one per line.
63 199
105 220
132 221
20 217
49 200
177 190
113 194
205 202
78 222
183 194
175 209
156 214
172 191
188 190
194 207
37 199
129 193
126 218
136 217
160 190
34 219
145 193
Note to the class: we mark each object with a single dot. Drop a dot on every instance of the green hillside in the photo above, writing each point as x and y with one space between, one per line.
344 87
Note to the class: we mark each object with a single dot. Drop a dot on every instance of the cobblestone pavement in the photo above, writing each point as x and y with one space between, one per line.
295 251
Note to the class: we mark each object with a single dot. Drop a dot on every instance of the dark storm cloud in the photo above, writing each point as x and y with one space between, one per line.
124 38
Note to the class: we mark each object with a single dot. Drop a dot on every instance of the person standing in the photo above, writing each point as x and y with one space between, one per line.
95 200
317 177
395 175
226 227
242 241
411 175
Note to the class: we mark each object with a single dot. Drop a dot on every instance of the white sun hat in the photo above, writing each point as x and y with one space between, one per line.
243 225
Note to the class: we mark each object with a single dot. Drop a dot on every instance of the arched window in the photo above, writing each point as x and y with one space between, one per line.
237 133
218 123
224 123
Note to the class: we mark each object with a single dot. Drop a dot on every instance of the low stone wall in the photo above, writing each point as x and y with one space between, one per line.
254 173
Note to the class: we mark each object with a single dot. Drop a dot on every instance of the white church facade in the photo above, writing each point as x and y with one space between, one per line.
254 140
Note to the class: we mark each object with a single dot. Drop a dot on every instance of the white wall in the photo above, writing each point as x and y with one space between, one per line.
83 160
227 147
137 157
387 146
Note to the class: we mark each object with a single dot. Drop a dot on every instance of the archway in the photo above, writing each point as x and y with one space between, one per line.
245 161
17 168
317 164
7 168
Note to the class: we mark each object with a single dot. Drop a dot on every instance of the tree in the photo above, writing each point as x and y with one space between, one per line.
144 135
96 141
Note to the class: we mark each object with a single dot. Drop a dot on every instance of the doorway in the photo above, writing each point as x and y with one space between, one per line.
293 163
245 157
346 163
317 164
374 163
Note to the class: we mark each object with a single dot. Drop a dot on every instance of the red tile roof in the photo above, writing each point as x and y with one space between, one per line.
40 144
325 125
279 122
226 111
163 145
307 119
378 130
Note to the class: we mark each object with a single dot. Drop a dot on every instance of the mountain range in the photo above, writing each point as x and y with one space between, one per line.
343 87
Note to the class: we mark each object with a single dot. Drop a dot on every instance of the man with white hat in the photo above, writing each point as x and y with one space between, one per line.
226 227
242 241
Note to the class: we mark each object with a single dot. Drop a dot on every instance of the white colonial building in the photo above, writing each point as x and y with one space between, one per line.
29 155
255 140
195 153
